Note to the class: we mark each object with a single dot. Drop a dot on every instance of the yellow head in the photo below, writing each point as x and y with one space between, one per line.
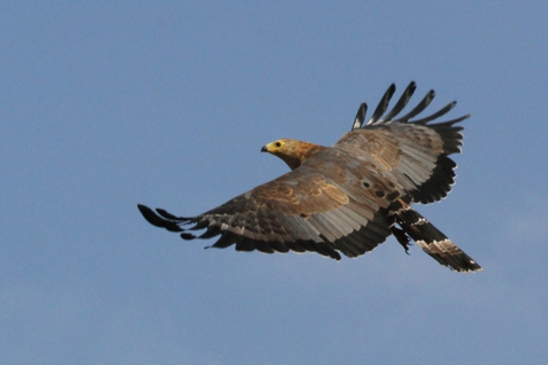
291 151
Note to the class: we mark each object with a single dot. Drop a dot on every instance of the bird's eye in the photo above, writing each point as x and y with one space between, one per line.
278 144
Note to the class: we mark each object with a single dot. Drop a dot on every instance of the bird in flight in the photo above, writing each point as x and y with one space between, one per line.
347 198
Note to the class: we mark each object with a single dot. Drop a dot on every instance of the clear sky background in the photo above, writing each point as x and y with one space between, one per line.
108 104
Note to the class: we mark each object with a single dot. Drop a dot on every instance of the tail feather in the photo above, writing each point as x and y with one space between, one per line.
434 242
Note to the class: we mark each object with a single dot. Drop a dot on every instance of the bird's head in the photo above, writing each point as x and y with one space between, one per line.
293 152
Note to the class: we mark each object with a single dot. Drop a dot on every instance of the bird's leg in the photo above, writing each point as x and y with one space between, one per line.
402 238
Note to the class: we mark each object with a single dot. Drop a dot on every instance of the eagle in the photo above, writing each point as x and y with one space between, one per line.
347 198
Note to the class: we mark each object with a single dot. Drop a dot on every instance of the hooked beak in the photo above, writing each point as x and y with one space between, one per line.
264 149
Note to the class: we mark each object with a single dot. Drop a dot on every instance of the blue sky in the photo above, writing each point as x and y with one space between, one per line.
109 104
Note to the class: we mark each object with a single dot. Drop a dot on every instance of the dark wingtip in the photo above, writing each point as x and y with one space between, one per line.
412 86
163 213
360 116
383 105
148 214
400 104
156 220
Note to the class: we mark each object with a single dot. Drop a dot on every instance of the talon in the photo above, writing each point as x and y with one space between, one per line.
402 238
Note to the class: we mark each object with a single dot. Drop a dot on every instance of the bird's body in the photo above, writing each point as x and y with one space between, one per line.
345 198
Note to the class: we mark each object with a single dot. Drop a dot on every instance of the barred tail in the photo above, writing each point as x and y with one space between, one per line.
434 242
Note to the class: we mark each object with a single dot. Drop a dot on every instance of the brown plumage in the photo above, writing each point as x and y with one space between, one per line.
345 198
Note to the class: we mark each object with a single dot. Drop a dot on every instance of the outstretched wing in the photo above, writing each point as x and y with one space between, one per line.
329 204
415 152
